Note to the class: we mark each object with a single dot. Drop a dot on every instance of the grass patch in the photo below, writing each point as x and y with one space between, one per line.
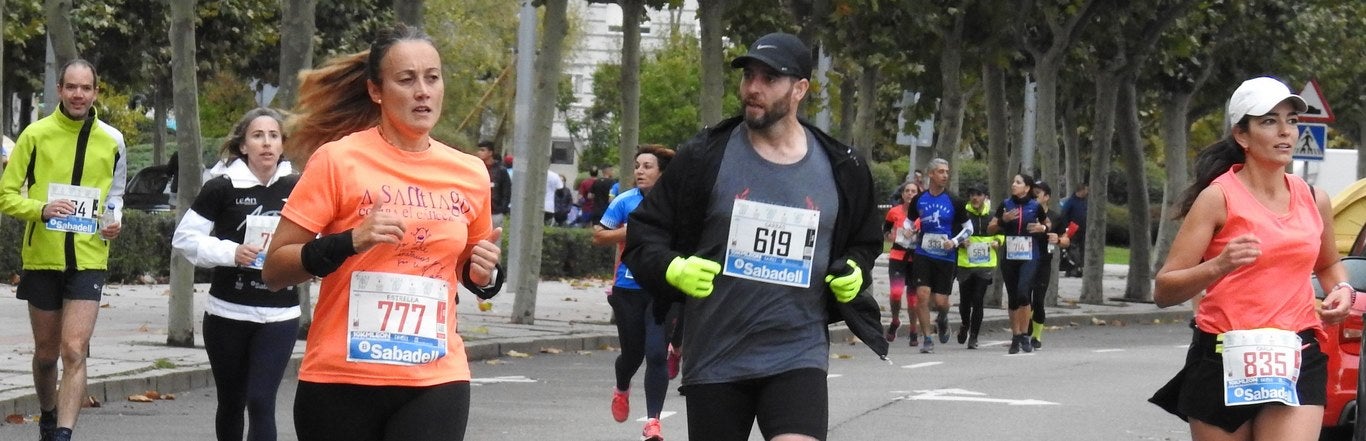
162 363
1116 255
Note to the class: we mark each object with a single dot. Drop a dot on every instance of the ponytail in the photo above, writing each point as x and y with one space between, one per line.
1213 161
333 102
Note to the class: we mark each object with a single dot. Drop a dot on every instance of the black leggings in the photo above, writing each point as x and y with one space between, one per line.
248 361
1019 280
973 289
796 401
1040 289
642 339
330 411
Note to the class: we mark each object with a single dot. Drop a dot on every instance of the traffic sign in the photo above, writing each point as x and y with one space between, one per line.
1313 139
1319 111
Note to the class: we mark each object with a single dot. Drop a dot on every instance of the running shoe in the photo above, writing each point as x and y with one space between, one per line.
972 341
928 346
1025 345
891 330
62 434
942 325
914 336
47 426
651 432
675 357
1036 343
1015 344
621 405
962 334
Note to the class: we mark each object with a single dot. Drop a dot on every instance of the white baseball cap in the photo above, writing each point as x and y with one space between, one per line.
1257 96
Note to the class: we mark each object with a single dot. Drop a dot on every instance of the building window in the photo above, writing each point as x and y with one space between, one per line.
562 152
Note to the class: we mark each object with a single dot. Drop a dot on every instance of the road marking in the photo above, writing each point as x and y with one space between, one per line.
829 376
921 365
1098 351
662 415
970 396
506 379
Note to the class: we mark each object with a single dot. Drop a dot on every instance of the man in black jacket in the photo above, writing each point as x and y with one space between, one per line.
499 180
767 227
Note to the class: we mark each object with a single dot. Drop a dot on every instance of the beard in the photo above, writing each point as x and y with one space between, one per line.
772 114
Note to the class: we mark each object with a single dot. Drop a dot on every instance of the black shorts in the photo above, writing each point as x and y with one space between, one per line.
1198 390
796 401
934 273
45 289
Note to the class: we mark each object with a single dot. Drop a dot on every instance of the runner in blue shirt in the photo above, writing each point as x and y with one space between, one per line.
944 225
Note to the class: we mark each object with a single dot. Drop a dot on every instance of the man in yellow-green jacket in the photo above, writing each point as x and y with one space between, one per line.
65 180
976 263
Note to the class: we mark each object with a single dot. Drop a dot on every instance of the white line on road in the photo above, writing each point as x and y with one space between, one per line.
967 395
662 415
506 379
921 365
1098 351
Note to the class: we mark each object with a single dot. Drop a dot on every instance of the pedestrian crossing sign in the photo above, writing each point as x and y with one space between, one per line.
1313 139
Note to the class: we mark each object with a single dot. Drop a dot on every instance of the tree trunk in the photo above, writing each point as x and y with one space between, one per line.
58 21
950 130
998 144
848 91
409 12
862 138
1175 107
296 47
534 165
180 325
160 107
713 76
1139 285
1092 289
631 13
1073 174
1046 127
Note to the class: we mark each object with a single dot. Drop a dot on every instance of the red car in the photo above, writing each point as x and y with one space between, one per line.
1343 347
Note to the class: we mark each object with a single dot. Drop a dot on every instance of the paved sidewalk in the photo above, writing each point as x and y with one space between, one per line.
129 354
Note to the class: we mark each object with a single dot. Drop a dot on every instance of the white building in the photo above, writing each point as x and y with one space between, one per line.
600 43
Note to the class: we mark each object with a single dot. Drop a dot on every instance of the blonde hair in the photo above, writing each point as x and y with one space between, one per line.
334 100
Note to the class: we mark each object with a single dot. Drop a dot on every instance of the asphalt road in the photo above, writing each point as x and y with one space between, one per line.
1089 382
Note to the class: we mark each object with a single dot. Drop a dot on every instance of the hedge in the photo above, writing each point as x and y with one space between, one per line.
144 247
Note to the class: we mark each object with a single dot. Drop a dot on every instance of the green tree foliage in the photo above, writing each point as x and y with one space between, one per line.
670 88
222 100
476 38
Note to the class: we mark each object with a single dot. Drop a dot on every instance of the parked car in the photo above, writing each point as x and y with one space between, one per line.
150 189
1343 347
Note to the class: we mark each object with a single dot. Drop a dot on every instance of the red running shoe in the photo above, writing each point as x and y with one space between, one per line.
675 357
621 405
651 432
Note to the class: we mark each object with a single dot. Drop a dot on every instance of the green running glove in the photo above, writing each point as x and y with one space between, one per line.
845 287
693 275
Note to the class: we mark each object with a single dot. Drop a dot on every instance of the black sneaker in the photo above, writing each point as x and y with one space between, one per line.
914 337
62 434
47 426
1014 344
891 330
962 334
942 325
1035 343
1025 345
972 341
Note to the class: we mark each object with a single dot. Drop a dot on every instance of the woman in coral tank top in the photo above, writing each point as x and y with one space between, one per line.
1251 238
392 221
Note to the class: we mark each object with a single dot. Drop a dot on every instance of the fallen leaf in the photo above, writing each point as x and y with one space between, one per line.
494 361
14 418
168 396
551 350
152 394
570 299
515 354
841 356
106 305
1097 322
139 398
90 401
584 352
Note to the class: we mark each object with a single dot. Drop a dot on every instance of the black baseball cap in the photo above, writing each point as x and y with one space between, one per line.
976 189
783 52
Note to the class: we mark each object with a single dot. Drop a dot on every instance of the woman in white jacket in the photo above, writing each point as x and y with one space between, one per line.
249 331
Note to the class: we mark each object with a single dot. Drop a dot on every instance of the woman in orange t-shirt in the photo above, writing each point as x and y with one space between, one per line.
392 221
1251 238
901 234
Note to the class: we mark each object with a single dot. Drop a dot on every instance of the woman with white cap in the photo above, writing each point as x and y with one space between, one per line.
1252 236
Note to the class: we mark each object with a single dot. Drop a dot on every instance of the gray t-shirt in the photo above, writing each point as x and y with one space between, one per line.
747 328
